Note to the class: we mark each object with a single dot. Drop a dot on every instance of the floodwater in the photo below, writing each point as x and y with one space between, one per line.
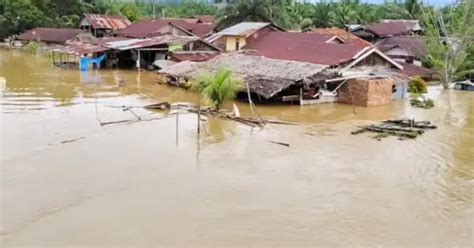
67 181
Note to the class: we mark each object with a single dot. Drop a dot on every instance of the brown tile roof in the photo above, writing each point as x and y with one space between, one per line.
55 35
389 29
113 22
346 36
196 56
303 47
413 44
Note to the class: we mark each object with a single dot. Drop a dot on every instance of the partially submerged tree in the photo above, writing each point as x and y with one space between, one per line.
449 39
217 87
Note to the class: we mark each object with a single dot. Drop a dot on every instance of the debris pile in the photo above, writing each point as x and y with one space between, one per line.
403 128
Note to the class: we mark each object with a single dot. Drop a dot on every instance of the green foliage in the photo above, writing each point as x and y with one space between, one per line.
130 11
19 15
417 85
449 40
217 87
32 47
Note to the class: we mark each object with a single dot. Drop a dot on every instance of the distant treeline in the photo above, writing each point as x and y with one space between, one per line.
17 16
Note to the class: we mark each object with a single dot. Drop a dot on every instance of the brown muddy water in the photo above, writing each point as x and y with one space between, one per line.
67 181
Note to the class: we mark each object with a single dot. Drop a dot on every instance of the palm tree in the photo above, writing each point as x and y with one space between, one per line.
217 87
322 14
273 11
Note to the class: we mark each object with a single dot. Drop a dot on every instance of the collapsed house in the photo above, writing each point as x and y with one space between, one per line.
102 25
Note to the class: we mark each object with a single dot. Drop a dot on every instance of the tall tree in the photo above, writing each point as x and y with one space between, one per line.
450 39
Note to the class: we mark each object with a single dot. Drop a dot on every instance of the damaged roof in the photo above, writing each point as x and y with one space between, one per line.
55 35
112 22
265 76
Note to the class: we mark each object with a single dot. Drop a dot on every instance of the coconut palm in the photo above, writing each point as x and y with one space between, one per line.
217 87
255 11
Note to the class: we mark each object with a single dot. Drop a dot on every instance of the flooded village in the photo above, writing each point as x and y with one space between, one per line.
191 131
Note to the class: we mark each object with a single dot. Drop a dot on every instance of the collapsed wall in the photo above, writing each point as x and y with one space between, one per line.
366 91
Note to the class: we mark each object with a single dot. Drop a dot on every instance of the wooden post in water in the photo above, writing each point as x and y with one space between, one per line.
352 99
138 59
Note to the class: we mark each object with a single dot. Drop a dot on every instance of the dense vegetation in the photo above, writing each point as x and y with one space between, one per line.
19 15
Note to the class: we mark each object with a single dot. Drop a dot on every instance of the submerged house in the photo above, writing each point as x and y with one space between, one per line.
134 53
52 35
236 37
102 25
267 78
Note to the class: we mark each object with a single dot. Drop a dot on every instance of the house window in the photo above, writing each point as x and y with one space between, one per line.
237 44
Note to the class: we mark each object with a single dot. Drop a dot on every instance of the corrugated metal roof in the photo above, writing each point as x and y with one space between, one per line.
56 35
127 43
412 24
389 28
198 29
151 27
78 48
303 47
244 28
346 36
107 21
412 44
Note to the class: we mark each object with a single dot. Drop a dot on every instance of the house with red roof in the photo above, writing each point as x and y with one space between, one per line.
319 49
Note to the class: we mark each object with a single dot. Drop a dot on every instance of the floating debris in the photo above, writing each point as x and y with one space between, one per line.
422 102
403 128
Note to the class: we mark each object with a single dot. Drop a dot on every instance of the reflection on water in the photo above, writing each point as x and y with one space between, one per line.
141 184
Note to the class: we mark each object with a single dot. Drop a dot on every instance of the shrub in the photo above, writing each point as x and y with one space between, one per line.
417 85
